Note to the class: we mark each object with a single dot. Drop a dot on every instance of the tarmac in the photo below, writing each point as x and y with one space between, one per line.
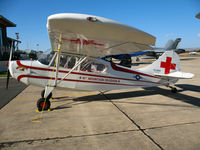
146 119
14 88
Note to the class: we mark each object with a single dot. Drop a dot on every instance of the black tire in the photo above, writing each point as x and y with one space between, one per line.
48 97
174 90
42 103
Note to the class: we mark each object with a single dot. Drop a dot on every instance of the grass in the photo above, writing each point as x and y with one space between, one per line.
3 74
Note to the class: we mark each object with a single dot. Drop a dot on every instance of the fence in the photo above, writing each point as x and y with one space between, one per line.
3 66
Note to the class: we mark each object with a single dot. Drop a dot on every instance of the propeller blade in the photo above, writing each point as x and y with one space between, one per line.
8 72
8 77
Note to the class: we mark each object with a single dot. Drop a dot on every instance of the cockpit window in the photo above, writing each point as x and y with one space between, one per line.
92 66
68 62
45 58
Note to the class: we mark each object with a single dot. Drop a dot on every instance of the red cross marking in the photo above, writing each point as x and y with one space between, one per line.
168 65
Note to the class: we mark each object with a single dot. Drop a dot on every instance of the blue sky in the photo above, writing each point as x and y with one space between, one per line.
165 19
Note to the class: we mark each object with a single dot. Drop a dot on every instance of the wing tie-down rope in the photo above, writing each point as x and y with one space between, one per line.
56 67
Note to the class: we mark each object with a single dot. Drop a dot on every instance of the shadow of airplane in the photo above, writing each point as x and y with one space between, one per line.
61 99
190 99
189 87
150 91
69 102
61 107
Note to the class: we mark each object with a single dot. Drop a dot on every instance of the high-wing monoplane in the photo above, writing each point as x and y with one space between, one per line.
80 44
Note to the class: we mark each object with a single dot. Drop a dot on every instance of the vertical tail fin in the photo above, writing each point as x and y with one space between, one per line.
173 44
168 66
168 44
167 63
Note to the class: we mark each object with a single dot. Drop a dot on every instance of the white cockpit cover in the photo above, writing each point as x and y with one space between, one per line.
95 36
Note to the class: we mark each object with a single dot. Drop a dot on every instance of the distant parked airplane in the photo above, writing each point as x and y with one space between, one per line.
193 53
170 45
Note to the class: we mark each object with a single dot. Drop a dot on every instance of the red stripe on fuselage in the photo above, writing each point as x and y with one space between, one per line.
94 75
117 68
72 80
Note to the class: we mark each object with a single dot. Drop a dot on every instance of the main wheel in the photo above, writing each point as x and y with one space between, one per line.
43 105
48 97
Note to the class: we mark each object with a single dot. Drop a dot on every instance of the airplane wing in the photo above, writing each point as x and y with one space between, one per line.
95 36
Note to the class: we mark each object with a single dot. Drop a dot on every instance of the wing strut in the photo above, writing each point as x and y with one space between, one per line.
49 88
58 60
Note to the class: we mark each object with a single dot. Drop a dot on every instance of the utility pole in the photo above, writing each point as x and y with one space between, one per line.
37 46
17 37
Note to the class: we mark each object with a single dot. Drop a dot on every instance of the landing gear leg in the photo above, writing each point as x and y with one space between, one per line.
48 97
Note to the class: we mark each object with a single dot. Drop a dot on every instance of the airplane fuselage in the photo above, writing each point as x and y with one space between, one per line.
112 77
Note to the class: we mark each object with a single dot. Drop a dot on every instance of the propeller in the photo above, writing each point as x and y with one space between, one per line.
8 71
8 77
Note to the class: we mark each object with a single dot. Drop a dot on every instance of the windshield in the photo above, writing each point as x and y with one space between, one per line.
68 62
46 57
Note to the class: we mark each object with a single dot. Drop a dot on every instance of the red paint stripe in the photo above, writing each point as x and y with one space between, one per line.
115 67
84 42
31 67
93 75
72 80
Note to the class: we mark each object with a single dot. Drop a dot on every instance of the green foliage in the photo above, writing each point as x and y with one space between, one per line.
3 74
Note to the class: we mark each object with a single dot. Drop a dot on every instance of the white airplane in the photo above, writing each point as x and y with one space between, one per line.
193 53
79 44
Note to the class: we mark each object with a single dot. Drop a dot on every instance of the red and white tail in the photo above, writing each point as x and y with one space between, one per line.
168 65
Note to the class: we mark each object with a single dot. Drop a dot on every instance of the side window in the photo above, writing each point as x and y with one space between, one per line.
68 62
97 67
93 66
63 60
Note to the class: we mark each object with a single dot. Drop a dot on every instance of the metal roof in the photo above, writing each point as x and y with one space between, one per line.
6 22
11 39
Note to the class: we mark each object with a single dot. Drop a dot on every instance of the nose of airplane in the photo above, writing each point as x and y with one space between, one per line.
20 68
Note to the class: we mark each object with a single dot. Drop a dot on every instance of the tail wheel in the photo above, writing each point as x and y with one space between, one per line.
43 105
48 97
174 90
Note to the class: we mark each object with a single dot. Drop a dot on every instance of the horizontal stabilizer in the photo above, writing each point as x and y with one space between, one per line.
177 74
